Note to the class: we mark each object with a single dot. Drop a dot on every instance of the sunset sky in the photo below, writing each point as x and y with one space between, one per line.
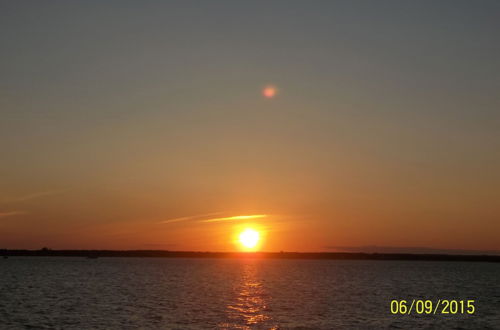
320 124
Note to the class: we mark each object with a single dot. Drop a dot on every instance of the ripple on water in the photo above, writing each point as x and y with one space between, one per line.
128 293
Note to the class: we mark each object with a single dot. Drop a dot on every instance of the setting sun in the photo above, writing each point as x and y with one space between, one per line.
249 238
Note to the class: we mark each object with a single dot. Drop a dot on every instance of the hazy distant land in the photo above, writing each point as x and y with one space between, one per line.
264 255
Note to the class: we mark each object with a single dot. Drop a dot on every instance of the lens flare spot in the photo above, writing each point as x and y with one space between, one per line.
269 92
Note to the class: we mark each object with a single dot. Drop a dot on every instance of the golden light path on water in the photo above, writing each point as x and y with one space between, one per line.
250 303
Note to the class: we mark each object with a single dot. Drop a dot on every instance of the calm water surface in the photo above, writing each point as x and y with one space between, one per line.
150 293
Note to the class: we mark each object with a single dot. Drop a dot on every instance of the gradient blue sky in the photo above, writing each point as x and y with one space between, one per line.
117 116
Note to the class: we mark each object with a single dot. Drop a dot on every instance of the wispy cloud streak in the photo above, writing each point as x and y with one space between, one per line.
191 217
11 213
237 217
32 196
208 218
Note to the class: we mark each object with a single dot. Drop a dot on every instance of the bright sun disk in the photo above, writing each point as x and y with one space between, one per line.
249 238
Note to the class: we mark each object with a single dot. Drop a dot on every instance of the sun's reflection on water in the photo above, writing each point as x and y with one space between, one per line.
249 308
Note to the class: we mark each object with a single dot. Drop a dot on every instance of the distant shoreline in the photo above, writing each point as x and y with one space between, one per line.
261 255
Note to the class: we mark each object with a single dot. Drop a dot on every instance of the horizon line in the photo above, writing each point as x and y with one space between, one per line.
443 253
